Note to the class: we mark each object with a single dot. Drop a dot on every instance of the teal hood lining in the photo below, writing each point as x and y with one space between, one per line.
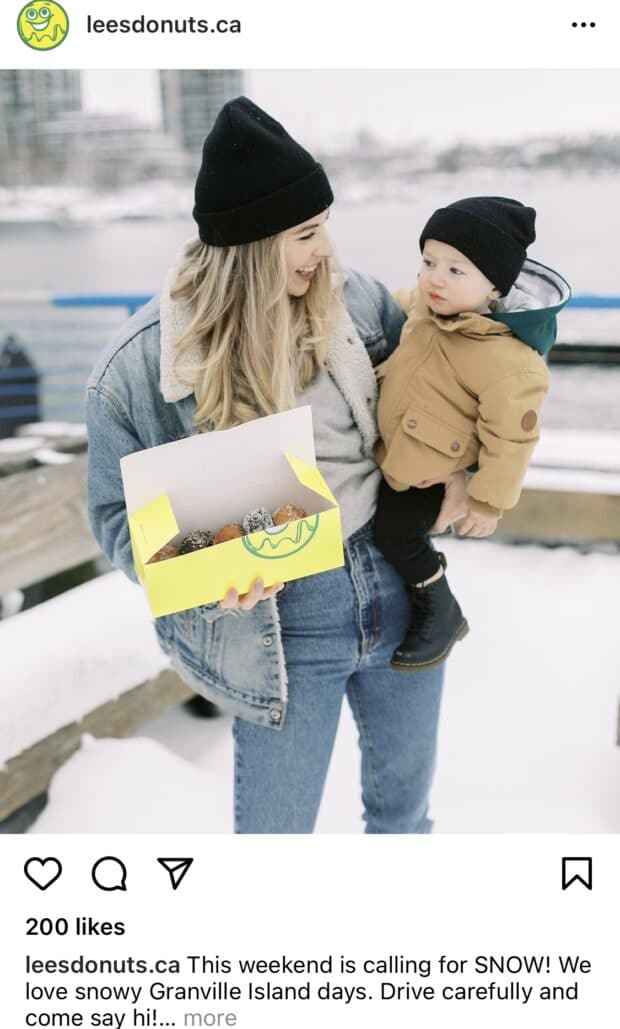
530 308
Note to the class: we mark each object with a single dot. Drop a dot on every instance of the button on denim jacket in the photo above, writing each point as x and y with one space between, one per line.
134 401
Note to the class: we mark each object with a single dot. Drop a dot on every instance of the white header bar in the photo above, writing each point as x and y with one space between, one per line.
323 34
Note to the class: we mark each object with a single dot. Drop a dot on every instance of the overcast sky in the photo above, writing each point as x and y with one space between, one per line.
439 106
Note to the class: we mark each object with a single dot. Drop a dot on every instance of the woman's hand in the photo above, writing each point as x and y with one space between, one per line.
247 601
454 502
477 525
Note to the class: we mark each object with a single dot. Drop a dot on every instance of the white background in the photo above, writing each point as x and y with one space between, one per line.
325 34
310 897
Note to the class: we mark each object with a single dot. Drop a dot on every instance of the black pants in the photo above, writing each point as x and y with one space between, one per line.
402 524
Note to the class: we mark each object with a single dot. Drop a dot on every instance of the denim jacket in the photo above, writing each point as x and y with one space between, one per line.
232 657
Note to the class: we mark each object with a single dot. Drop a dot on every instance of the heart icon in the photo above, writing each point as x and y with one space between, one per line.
43 871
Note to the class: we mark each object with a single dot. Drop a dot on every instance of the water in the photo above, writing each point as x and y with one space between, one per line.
578 228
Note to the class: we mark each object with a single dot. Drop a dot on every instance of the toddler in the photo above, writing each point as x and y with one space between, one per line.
463 388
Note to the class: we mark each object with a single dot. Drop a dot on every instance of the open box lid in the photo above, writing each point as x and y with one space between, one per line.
214 478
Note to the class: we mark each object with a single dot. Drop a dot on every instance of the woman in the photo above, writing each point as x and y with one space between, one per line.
250 323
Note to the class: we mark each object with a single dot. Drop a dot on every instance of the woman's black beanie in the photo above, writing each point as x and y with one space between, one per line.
255 180
493 232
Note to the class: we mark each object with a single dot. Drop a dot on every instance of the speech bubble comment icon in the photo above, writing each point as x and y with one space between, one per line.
43 871
109 873
577 870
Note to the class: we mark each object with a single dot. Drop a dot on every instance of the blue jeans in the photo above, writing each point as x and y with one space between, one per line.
339 631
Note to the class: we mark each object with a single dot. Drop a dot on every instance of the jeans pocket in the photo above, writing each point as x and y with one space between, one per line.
212 611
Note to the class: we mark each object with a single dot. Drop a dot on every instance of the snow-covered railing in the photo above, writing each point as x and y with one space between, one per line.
44 527
86 661
571 492
589 331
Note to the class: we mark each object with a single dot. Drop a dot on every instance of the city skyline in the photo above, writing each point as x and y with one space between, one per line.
438 105
109 129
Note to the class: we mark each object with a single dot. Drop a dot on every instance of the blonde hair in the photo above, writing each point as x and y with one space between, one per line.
258 346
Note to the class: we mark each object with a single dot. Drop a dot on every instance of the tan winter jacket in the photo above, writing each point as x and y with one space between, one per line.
457 391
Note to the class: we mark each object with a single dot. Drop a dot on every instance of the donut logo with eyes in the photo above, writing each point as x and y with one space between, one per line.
43 24
282 540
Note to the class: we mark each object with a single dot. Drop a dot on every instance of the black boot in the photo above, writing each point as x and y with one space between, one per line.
200 707
437 623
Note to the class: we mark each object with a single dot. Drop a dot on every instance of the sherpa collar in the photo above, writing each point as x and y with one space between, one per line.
174 320
347 360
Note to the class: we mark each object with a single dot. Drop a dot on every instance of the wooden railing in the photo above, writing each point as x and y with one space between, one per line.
44 530
43 524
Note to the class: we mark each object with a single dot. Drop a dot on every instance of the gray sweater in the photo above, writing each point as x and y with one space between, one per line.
352 476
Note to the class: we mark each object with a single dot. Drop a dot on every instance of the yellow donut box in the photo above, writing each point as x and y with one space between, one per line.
213 478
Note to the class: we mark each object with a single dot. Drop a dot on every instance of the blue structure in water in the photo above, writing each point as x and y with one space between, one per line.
19 387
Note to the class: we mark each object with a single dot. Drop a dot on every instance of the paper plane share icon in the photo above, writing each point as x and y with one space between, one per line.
176 868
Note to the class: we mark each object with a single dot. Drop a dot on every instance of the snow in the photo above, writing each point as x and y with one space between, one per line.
47 456
567 480
53 430
18 447
527 734
73 205
578 448
577 461
67 656
111 781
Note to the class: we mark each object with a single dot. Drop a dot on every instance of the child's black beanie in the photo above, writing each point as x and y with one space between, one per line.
493 232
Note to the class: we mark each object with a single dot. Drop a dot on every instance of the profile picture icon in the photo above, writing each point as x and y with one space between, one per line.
43 24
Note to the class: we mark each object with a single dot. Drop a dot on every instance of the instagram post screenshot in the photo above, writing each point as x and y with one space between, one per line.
309 515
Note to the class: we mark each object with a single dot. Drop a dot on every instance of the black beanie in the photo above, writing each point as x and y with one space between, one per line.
493 232
255 180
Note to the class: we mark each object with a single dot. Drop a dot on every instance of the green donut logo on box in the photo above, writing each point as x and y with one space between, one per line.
283 540
43 24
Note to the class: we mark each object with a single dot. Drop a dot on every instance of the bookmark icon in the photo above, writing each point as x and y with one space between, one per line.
176 868
577 870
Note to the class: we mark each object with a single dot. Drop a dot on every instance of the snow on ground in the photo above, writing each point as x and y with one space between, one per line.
527 736
63 658
126 786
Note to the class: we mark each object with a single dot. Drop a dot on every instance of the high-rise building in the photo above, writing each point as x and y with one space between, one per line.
191 100
29 99
109 151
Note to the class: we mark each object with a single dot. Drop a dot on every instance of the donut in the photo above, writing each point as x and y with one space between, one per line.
256 520
232 531
288 513
167 551
198 539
